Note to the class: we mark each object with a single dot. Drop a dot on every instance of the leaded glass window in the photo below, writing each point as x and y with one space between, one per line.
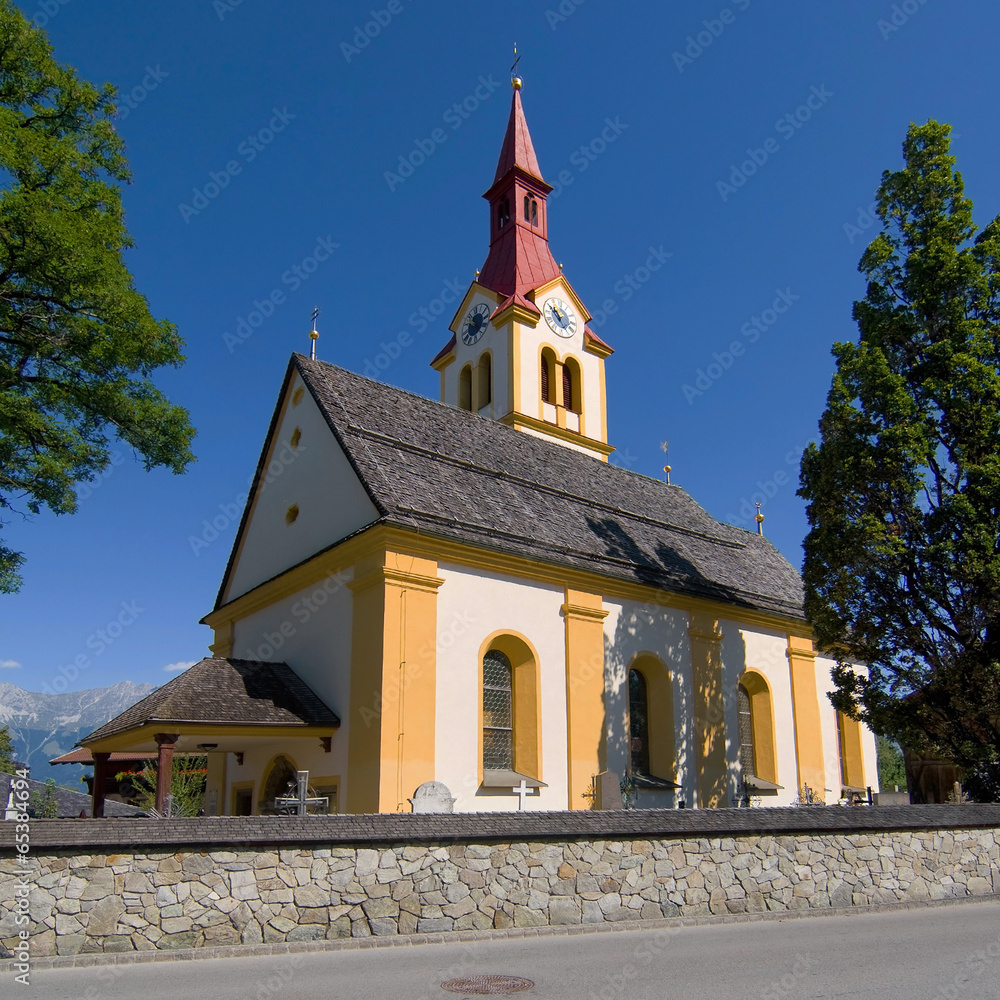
638 714
498 713
746 733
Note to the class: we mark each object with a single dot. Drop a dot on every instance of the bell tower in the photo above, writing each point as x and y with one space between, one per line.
521 351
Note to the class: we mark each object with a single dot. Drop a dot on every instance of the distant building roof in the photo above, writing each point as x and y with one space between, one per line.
81 755
222 691
70 802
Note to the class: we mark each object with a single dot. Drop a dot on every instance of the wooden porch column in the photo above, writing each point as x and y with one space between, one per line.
164 767
100 781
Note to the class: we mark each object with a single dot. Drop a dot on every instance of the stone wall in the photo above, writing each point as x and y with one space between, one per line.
194 896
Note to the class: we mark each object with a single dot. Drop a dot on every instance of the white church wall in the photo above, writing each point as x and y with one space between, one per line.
311 632
317 478
472 605
766 654
632 628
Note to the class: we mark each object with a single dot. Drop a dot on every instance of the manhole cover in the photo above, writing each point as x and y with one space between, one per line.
481 986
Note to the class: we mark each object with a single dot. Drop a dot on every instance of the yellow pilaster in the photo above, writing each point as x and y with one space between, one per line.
585 711
709 712
215 782
806 714
223 644
393 668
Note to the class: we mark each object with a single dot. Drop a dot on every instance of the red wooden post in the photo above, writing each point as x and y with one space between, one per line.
164 767
100 783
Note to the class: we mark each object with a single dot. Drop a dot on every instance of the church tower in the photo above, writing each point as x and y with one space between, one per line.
521 351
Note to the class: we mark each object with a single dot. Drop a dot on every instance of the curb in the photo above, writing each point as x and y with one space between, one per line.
454 937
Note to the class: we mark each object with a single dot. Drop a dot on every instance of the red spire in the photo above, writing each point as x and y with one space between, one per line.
517 149
519 260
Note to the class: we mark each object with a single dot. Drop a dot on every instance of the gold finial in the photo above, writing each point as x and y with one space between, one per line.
560 267
515 81
759 518
313 334
664 447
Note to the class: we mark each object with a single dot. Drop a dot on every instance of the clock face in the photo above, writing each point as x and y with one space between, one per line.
476 323
560 317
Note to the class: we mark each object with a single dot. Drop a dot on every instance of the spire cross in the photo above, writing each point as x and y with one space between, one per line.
515 80
314 334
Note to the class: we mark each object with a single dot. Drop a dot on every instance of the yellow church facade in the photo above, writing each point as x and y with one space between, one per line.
466 591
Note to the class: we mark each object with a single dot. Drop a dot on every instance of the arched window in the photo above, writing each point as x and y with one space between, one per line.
758 759
534 212
281 776
571 385
638 721
503 213
498 712
747 763
484 394
527 207
465 388
548 377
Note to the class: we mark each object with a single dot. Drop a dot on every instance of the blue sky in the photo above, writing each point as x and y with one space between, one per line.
258 132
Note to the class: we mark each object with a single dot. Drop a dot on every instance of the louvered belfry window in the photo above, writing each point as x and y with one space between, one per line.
498 713
746 733
567 377
545 381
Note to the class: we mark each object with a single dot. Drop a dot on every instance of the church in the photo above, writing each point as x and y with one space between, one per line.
466 591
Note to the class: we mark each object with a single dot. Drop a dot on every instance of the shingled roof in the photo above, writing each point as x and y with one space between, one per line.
445 472
223 692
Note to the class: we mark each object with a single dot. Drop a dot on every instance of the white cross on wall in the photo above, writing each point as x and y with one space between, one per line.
522 792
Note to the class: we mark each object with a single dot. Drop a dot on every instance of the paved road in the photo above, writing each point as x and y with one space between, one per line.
932 953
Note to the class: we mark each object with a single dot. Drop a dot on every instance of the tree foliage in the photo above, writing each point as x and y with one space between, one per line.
44 805
187 784
902 560
78 345
891 765
6 751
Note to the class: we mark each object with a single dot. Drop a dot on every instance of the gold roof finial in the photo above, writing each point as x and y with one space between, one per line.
313 334
759 518
515 81
664 446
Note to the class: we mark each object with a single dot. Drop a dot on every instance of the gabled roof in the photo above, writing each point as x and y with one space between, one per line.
445 472
222 691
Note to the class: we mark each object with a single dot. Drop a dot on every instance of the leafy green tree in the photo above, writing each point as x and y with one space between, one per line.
891 766
44 805
187 784
78 344
902 560
6 751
